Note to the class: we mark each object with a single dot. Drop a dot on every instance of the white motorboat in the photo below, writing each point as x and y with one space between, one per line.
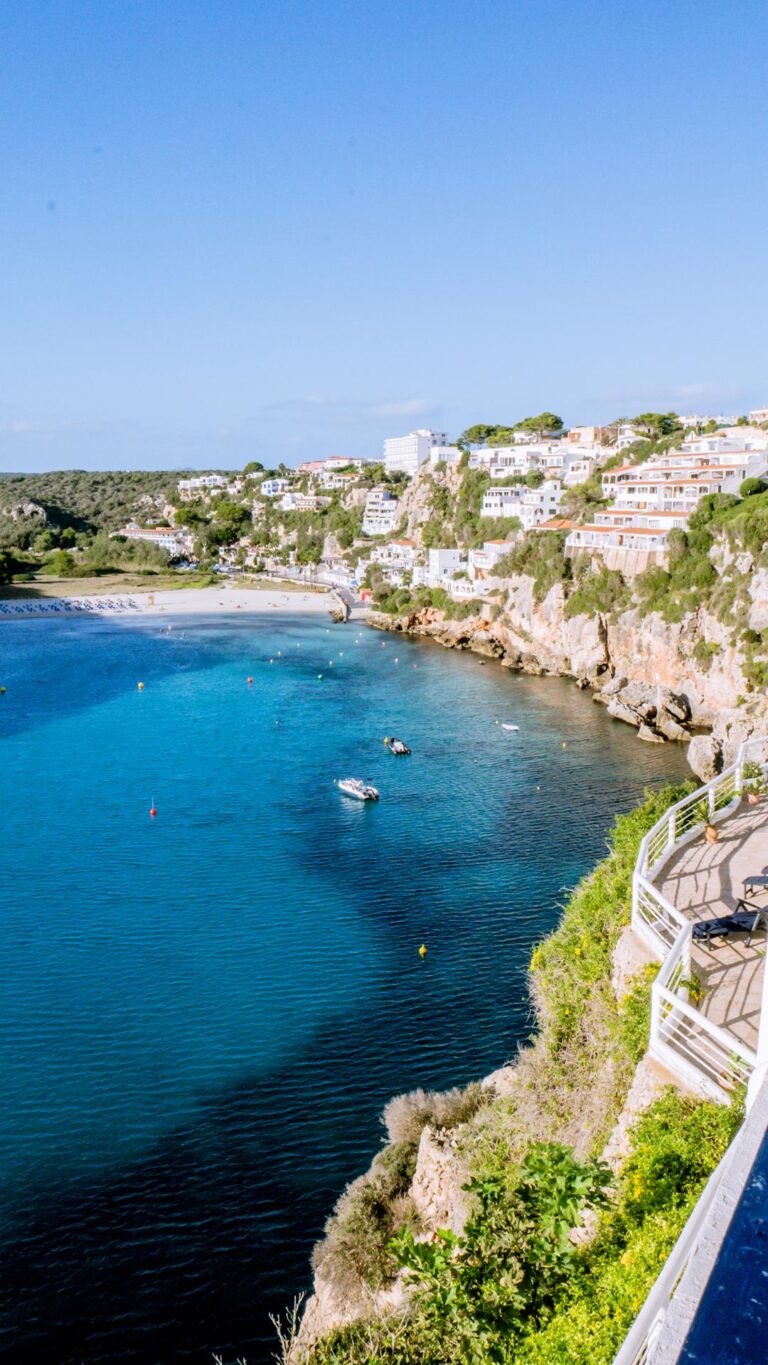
354 786
506 726
397 746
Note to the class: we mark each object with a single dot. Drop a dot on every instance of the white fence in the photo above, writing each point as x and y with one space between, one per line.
704 1056
640 1343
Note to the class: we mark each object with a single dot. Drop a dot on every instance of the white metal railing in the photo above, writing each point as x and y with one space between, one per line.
704 1055
639 1344
700 1052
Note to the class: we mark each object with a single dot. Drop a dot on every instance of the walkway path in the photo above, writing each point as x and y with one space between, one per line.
703 880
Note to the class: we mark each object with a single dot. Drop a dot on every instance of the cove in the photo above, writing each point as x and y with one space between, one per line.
203 1014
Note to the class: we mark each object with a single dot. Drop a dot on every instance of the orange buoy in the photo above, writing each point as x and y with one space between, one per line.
249 680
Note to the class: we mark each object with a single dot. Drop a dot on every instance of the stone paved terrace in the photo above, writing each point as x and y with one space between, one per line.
703 880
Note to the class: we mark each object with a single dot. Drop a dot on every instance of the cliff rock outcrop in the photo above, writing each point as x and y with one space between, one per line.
648 672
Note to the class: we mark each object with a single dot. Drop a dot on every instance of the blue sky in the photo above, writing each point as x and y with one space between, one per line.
238 229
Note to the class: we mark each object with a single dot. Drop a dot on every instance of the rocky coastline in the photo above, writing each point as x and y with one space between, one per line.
705 703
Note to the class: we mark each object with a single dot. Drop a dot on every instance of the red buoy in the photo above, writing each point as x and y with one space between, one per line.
152 811
250 680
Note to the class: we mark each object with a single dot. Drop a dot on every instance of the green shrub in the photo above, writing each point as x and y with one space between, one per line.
406 1116
514 1289
578 954
598 593
704 651
356 1251
634 1014
751 486
539 556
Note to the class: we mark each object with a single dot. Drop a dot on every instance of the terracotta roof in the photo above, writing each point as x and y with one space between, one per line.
555 524
634 512
624 530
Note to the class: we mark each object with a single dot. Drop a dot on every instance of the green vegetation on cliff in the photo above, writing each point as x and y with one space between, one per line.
515 1287
85 502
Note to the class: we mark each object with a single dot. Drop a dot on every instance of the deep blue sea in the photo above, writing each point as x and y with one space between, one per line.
203 1014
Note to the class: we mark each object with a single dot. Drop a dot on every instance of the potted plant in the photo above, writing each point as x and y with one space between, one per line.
701 811
695 988
753 783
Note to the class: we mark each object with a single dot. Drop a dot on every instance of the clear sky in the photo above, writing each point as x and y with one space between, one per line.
277 229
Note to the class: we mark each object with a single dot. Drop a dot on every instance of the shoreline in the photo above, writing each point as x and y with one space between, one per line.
211 601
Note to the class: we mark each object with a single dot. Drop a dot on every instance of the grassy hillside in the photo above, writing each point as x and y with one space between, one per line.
86 501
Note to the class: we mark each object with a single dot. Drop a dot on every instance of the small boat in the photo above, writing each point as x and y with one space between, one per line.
506 726
354 786
397 746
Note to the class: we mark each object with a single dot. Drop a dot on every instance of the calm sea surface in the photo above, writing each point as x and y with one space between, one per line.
202 1015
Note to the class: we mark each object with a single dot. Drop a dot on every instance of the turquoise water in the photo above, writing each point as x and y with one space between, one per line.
203 1013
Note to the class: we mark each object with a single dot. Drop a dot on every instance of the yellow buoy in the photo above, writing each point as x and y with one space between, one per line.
140 686
423 950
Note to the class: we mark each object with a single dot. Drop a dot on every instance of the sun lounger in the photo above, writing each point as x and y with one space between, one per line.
758 882
746 918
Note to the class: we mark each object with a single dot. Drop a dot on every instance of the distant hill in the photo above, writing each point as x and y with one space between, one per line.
87 500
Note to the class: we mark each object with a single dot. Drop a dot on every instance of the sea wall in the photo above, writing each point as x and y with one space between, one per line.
647 671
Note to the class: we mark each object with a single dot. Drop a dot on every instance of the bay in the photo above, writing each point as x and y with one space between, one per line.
203 1013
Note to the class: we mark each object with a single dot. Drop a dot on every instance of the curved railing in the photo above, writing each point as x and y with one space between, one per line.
699 1052
703 1055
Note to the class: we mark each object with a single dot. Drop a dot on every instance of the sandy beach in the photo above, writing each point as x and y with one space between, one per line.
222 598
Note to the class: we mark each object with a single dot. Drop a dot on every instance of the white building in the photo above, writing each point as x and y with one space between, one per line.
396 554
651 499
329 479
758 415
539 504
585 436
730 441
302 502
627 435
170 538
442 565
514 459
380 515
502 501
343 462
406 454
629 549
444 454
274 488
692 420
482 562
579 470
201 483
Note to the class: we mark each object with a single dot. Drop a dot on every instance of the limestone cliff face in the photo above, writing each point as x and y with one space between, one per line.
416 502
439 1202
644 669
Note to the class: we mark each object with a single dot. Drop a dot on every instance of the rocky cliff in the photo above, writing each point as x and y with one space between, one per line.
648 672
